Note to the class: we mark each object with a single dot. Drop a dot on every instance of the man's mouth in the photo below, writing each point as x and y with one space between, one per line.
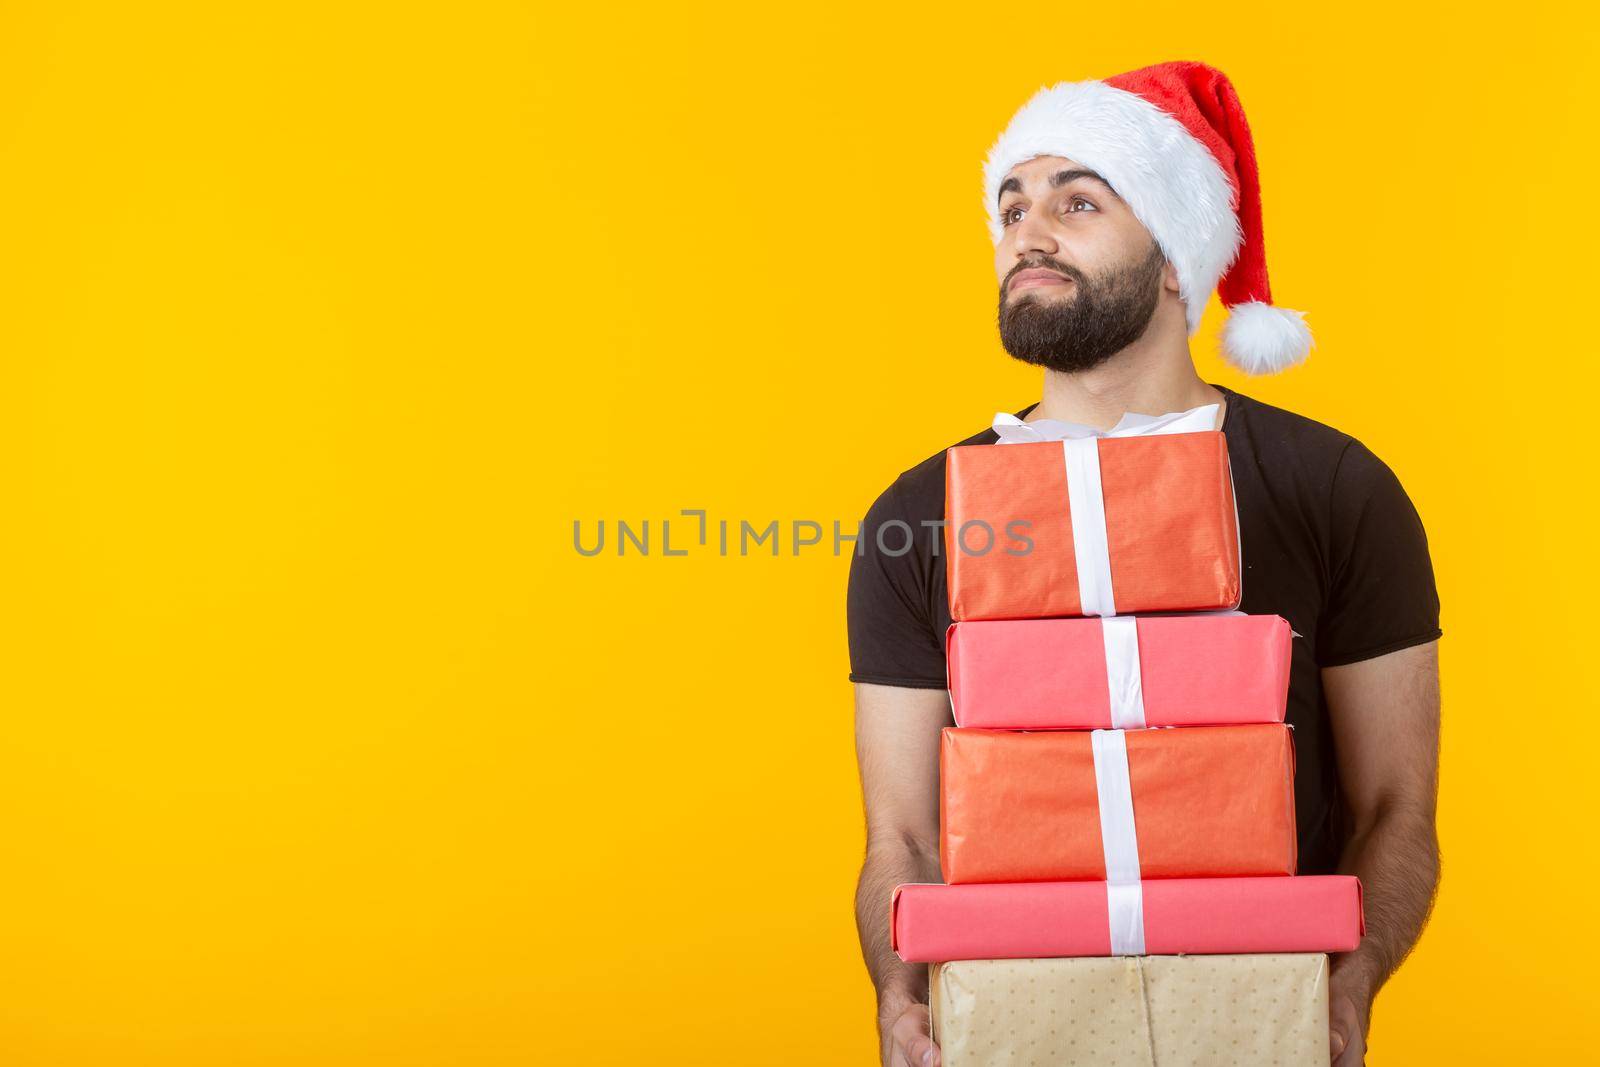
1036 277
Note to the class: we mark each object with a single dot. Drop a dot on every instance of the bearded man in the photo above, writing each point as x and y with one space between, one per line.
1116 208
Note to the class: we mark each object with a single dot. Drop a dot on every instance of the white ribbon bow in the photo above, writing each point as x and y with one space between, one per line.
1013 430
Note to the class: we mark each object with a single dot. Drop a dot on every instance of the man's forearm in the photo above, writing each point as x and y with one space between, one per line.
888 864
1397 860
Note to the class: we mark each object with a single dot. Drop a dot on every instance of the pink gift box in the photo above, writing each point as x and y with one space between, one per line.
1195 670
1210 916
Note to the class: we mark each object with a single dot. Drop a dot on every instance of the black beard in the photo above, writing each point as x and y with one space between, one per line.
1085 329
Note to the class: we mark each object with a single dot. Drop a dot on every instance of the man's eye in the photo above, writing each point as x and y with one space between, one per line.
1006 216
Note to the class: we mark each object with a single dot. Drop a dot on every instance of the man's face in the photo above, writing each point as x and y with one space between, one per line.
1080 276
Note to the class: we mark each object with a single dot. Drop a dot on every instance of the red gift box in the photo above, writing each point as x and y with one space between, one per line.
1312 913
1207 801
1186 670
1169 528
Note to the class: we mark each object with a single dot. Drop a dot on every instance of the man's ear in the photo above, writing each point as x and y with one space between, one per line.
1169 278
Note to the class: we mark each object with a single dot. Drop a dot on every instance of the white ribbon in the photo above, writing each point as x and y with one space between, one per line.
1090 545
1124 681
1125 913
1119 842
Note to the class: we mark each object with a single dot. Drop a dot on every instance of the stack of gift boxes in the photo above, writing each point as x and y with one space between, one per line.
1116 807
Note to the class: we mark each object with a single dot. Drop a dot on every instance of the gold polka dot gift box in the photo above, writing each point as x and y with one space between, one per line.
1133 1011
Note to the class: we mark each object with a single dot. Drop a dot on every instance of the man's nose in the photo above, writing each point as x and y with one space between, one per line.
1034 235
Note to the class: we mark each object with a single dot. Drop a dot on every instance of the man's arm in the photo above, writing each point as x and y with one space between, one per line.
897 747
1385 718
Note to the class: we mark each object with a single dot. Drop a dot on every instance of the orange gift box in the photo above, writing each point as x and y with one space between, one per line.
1208 802
1171 528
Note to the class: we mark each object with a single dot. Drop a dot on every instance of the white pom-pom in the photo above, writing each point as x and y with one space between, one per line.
1262 339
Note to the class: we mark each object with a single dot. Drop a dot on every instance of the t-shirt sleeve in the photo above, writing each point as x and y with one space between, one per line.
1382 596
892 639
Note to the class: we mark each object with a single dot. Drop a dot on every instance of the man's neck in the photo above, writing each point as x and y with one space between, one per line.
1142 380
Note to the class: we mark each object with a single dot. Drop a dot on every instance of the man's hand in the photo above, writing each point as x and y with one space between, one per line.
903 1024
1349 1008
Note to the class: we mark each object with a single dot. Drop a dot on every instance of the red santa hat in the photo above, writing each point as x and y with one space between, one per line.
1171 139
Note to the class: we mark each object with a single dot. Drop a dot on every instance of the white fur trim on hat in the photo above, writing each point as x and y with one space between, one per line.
1263 338
1171 182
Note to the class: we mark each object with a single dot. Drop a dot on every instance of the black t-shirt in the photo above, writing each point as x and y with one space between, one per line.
1330 540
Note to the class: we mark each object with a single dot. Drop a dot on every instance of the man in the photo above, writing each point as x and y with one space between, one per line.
1117 207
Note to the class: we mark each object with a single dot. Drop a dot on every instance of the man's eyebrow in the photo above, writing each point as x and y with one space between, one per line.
1057 180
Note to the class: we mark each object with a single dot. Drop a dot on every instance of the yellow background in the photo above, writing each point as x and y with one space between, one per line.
323 323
